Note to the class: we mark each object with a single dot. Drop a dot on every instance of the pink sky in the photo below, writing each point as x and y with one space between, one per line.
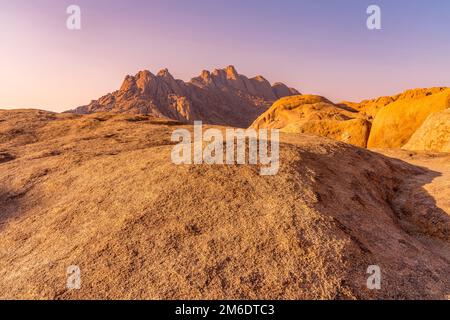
318 47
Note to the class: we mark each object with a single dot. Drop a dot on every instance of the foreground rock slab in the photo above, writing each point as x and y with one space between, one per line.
100 192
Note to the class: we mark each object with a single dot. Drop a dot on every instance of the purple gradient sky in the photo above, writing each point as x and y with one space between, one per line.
320 46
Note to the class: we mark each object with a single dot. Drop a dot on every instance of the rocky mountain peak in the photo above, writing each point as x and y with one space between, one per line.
232 73
222 97
259 78
206 76
164 73
129 83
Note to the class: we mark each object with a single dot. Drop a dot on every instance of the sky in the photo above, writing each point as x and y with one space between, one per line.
317 46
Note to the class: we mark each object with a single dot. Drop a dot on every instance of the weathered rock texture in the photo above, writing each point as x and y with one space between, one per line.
100 191
433 135
221 97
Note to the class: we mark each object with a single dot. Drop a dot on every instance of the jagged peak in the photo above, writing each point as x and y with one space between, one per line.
163 95
144 74
260 78
231 71
128 83
205 75
218 72
164 73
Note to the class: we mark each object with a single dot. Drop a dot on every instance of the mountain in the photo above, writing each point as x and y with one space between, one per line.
221 97
316 115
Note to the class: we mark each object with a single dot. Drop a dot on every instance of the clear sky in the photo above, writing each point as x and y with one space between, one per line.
317 46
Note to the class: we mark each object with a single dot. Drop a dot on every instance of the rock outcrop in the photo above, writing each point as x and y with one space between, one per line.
316 115
395 123
222 97
370 107
433 135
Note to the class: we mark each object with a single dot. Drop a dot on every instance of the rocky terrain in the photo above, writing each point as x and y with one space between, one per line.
221 97
395 124
100 191
386 122
360 184
370 107
316 115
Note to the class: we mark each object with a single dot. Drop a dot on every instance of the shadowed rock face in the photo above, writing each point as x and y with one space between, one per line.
99 191
221 97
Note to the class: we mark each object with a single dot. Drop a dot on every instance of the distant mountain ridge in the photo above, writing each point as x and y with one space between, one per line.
221 97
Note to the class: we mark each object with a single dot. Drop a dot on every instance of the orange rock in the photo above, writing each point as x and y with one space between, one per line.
396 123
369 108
433 135
315 115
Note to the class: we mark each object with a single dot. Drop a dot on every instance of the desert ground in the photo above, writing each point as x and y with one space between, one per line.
99 191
